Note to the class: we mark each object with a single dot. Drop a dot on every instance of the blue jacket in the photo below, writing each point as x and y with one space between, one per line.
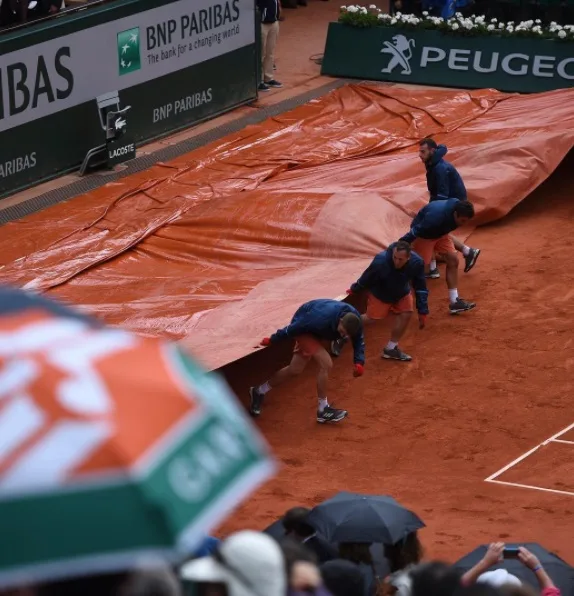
321 318
433 221
389 284
443 179
269 10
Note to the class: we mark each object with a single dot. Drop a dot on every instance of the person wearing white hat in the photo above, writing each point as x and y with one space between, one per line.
499 578
246 564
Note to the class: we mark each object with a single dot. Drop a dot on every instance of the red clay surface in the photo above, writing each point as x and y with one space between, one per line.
569 436
483 389
219 246
552 467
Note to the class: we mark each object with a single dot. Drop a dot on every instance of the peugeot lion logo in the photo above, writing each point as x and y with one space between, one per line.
400 52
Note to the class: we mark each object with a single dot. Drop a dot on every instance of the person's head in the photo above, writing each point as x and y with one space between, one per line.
427 147
408 551
300 566
435 579
295 523
342 578
463 212
401 254
349 326
246 564
357 552
498 578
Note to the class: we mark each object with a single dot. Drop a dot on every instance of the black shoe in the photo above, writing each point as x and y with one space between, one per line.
433 274
273 83
337 346
460 306
471 258
256 401
396 354
330 414
264 87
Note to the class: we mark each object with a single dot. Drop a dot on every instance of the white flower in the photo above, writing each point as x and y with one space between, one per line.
562 34
490 28
538 21
425 13
381 17
372 6
343 8
393 21
352 9
363 10
494 20
454 26
501 26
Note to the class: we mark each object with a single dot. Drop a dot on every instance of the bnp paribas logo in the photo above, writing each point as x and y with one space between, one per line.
129 50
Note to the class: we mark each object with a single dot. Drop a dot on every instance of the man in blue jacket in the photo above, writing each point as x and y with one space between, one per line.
430 234
444 182
388 282
314 322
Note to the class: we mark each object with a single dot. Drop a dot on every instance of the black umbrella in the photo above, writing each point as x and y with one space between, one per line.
350 517
561 573
277 531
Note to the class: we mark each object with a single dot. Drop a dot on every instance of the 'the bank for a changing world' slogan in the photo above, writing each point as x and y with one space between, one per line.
67 71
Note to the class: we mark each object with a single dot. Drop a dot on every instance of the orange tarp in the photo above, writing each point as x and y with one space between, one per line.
219 246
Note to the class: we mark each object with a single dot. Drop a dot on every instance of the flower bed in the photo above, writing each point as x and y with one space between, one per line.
371 16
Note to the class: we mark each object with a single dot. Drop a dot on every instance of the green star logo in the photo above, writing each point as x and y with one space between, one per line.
129 58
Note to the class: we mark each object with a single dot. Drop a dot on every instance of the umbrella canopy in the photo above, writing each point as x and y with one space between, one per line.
351 517
561 573
112 446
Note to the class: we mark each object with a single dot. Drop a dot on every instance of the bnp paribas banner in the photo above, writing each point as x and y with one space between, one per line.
67 71
177 63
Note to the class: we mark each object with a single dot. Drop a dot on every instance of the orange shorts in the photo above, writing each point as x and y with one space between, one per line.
307 346
379 310
425 248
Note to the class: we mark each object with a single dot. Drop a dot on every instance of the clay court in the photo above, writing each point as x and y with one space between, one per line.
218 247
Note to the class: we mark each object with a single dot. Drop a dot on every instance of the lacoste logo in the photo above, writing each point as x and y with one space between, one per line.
400 52
129 57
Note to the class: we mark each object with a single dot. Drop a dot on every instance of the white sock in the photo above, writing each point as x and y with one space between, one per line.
453 295
432 265
323 403
392 345
265 388
465 250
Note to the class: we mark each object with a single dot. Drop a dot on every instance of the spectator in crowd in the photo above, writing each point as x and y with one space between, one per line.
246 564
44 8
500 577
360 554
343 578
302 573
297 528
404 554
270 12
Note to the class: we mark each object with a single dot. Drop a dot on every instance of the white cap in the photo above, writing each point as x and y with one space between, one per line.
498 578
253 566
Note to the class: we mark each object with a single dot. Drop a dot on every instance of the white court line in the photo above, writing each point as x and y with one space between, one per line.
547 490
527 454
561 441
